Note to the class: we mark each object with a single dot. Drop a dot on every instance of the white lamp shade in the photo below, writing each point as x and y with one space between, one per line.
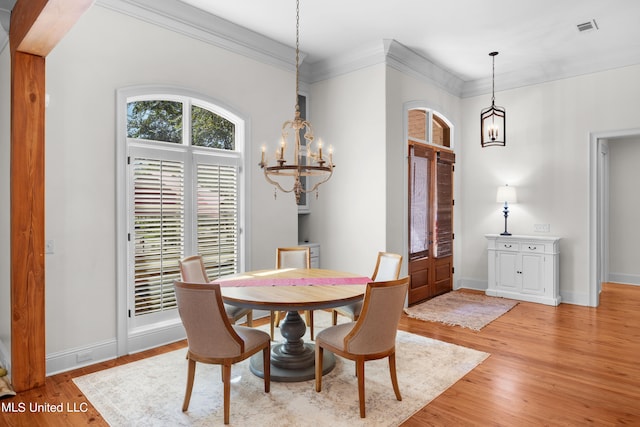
506 194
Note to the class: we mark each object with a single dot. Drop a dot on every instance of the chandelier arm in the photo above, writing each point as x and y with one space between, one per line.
319 183
275 183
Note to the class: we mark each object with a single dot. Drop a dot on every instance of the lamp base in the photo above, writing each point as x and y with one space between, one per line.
505 233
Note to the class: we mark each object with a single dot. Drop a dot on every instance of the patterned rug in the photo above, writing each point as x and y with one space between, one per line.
473 311
150 392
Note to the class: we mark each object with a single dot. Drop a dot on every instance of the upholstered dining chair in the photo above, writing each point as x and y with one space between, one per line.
212 339
192 271
372 336
387 268
292 257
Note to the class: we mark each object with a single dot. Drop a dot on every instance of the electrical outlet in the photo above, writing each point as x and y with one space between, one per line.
84 356
541 228
48 246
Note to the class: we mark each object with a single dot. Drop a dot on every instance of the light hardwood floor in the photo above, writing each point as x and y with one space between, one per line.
558 366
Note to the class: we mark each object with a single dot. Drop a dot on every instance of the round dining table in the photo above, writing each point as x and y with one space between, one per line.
290 290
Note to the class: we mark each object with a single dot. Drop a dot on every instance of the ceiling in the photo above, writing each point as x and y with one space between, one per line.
536 40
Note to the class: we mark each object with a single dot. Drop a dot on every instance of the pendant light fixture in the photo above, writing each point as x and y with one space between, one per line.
292 171
493 120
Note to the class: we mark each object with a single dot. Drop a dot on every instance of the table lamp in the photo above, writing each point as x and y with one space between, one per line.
506 195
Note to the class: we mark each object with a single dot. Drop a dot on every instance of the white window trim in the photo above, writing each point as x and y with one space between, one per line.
171 329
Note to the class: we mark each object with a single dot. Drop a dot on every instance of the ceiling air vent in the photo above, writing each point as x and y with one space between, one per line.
588 26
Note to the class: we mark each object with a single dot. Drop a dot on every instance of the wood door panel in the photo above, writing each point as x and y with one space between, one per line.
430 221
443 281
420 288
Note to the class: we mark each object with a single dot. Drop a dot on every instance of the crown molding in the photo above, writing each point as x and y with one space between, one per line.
541 73
192 22
409 62
5 21
365 57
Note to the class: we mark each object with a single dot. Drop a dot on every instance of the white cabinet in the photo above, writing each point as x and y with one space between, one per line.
314 249
524 268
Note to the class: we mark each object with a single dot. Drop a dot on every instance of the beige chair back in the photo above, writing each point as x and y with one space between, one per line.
376 328
209 332
294 257
192 270
387 267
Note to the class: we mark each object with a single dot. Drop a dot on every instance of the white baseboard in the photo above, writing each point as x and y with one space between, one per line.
80 356
627 279
151 338
478 285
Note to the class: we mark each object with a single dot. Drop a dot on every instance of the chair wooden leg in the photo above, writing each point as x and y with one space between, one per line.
250 319
227 391
394 377
360 371
272 320
266 365
310 323
191 372
334 318
319 354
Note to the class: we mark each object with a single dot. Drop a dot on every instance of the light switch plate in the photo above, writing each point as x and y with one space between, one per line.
541 228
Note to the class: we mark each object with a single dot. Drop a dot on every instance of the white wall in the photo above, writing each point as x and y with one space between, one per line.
362 210
547 159
5 200
103 52
402 92
624 213
348 218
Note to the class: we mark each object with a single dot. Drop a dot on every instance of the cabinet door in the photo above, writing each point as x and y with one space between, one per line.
532 274
507 268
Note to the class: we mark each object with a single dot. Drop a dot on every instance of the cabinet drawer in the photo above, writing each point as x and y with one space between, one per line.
507 246
532 247
314 251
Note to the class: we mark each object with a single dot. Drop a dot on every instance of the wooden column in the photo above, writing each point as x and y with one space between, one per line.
36 27
27 221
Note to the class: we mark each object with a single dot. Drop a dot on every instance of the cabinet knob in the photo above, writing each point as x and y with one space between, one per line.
507 246
533 248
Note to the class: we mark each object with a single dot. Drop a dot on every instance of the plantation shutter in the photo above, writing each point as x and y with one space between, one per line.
217 218
443 224
159 219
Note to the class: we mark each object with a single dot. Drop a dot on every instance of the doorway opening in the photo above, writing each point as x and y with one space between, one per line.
599 244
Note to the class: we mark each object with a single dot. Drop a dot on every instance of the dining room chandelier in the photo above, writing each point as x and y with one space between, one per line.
493 119
292 170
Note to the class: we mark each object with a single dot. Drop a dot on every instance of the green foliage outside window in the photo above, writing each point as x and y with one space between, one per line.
210 130
155 120
162 121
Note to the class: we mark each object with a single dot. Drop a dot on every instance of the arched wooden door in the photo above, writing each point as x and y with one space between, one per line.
430 220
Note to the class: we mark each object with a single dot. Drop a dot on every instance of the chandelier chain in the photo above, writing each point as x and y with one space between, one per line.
493 81
297 51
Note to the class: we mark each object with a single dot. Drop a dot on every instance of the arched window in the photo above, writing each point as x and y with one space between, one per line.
427 126
183 184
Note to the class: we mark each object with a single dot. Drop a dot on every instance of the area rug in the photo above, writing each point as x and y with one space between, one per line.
149 392
473 311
